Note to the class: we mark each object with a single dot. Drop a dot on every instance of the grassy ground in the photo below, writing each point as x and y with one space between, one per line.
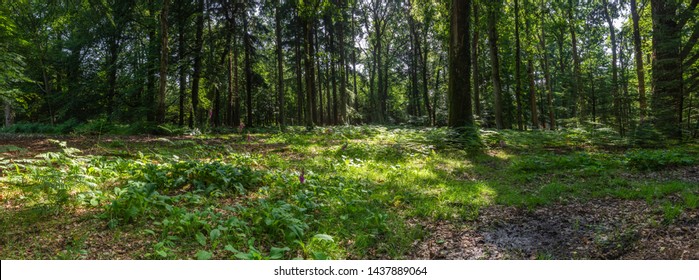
347 193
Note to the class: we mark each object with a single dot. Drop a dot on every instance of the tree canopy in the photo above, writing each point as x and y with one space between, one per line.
520 64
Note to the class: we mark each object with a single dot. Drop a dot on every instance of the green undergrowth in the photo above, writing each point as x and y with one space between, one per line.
329 193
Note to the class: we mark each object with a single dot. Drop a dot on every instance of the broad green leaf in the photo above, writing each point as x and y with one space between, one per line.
204 255
201 239
323 237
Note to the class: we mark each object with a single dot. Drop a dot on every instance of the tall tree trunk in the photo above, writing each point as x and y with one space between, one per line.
299 81
518 66
474 62
183 77
160 111
236 83
196 75
532 93
495 61
547 76
149 98
667 75
615 70
577 97
423 55
413 102
638 55
354 60
333 76
280 66
344 99
379 69
112 60
8 113
248 70
460 112
310 72
320 119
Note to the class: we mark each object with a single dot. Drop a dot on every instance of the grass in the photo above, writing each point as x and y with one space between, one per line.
230 196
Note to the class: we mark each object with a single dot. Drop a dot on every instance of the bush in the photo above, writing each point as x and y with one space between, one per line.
645 135
659 159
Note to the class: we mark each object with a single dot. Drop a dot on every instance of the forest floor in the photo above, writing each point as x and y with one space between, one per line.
347 193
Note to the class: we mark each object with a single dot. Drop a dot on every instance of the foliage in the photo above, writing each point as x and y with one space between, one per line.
365 193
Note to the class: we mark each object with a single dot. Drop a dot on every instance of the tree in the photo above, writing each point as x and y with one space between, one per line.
280 63
638 57
164 54
493 10
667 74
460 112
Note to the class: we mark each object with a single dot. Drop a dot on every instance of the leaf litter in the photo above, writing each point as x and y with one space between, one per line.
596 229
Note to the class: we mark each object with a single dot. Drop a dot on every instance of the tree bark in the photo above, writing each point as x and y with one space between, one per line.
518 66
615 70
280 65
460 112
495 62
474 62
310 73
667 76
532 94
638 55
196 75
547 75
247 45
160 109
576 61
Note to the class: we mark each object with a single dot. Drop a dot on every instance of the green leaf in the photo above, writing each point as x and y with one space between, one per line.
214 234
201 239
204 255
277 253
323 237
161 253
230 249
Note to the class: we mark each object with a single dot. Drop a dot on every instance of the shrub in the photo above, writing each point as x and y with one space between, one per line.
659 159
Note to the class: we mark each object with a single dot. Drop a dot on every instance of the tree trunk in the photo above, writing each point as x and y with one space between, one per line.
112 60
423 53
160 111
8 113
667 76
532 94
299 73
310 73
379 69
320 119
576 61
344 99
495 62
196 75
547 76
248 70
183 78
354 61
474 62
280 66
333 76
638 55
615 70
460 112
236 89
518 66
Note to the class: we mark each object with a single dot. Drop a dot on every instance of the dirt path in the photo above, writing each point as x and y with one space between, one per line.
601 229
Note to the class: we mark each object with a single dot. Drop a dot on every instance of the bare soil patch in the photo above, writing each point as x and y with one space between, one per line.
600 229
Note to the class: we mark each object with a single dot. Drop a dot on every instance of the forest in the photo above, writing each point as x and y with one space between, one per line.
349 129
